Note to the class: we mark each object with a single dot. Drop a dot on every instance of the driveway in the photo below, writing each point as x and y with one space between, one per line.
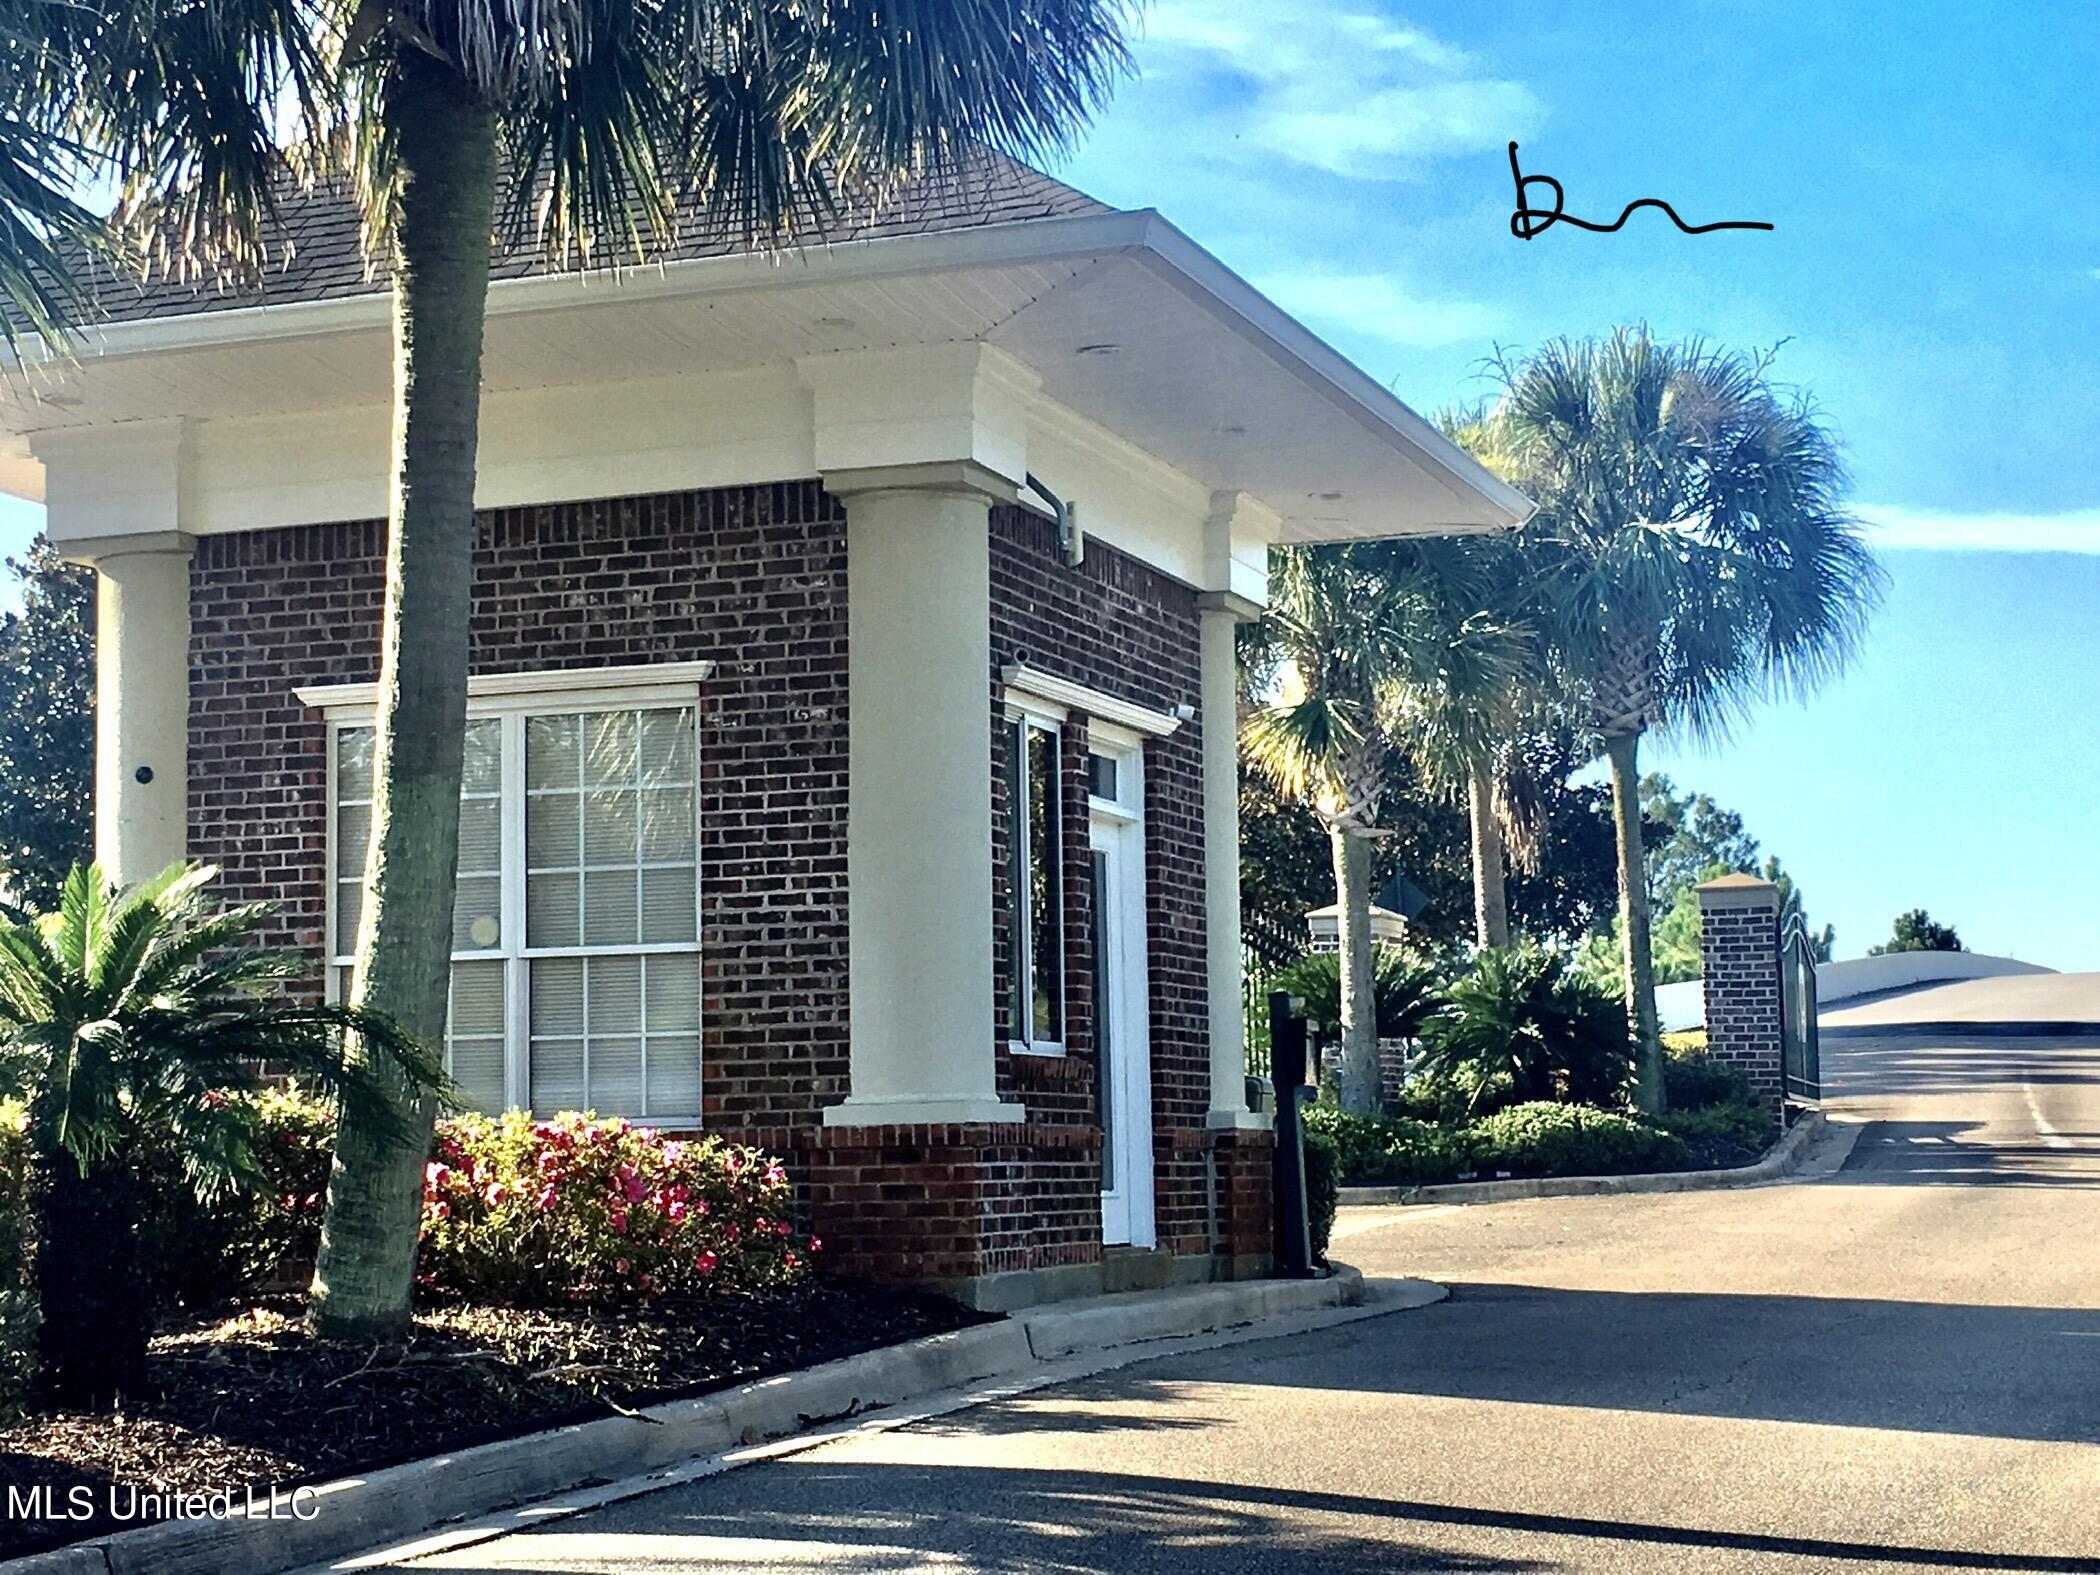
1895 1366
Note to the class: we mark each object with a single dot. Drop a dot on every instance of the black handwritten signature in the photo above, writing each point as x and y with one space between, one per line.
1528 222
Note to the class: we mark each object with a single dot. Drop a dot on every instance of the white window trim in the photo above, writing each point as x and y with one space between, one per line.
1026 685
1021 962
644 684
662 686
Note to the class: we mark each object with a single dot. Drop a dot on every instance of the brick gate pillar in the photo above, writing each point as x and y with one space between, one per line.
1745 1012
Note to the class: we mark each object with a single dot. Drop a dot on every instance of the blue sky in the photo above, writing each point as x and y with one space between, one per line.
1934 273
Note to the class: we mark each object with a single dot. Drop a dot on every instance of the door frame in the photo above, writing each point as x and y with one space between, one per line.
1116 829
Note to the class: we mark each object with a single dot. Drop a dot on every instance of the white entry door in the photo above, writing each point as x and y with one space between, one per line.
1121 1028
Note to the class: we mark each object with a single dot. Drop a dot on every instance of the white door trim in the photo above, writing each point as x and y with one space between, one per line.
1116 830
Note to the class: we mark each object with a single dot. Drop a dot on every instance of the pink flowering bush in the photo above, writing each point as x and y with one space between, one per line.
578 1209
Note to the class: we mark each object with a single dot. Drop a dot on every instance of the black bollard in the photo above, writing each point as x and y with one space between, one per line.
1287 1052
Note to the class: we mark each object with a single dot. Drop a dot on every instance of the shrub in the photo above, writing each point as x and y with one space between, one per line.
17 1296
196 1252
1384 1151
1548 1139
578 1209
1322 1189
1433 1097
1694 1080
1403 989
126 1015
1730 1124
1521 1025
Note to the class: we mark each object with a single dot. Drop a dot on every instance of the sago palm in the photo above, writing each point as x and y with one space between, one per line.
597 129
1698 558
125 1015
1351 631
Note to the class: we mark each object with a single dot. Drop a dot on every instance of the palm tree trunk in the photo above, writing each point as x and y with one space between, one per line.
1623 750
91 1298
366 1269
1490 900
1352 891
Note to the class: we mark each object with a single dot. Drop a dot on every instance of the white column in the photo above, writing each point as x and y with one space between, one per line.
142 700
1221 863
919 797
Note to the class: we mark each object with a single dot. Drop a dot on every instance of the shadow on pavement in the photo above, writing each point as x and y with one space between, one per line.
884 1517
1947 1153
1994 1372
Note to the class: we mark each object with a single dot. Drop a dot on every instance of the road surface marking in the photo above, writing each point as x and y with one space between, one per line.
2049 1135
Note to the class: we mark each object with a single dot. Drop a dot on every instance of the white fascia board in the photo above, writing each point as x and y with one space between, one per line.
1237 305
1033 682
1294 346
672 679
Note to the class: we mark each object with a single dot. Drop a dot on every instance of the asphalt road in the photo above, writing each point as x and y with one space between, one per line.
1895 1366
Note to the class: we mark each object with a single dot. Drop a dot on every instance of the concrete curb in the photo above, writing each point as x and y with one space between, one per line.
1781 1160
399 1501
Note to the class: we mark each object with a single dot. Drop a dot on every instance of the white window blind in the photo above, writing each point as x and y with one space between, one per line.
575 972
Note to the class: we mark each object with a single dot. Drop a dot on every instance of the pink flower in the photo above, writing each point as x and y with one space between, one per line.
700 1208
780 1227
645 1134
732 1162
816 1244
440 1210
619 1266
791 1260
619 1221
646 1281
436 1177
776 1174
674 1151
674 1212
496 1194
763 1226
632 1184
706 1262
680 1193
546 1198
730 1232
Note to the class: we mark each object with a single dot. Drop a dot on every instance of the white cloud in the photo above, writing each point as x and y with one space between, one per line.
1373 303
2075 530
1341 88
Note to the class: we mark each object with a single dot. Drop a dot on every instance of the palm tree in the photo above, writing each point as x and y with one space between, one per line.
1462 715
581 126
1696 554
1352 638
130 1014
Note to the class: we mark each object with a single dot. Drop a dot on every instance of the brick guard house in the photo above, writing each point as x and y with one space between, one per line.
831 784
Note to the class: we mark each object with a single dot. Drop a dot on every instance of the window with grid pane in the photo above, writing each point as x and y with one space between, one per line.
575 974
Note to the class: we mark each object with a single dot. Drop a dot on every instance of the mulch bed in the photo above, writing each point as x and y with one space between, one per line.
251 1400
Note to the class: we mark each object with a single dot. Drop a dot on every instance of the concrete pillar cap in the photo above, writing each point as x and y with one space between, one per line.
1737 891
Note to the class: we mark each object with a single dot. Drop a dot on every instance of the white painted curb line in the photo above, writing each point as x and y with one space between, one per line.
1781 1160
1036 1346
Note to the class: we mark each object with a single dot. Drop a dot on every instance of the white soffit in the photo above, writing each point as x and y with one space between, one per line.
1205 374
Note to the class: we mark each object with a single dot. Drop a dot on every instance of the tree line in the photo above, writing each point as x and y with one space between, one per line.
1691 556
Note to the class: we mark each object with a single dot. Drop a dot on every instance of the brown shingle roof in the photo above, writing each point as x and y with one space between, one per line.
316 256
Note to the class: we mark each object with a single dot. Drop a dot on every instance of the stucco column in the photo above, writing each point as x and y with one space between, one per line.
1220 612
142 700
919 796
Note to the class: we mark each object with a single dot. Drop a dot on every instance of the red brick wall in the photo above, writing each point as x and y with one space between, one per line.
754 579
1745 1008
1118 625
751 578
